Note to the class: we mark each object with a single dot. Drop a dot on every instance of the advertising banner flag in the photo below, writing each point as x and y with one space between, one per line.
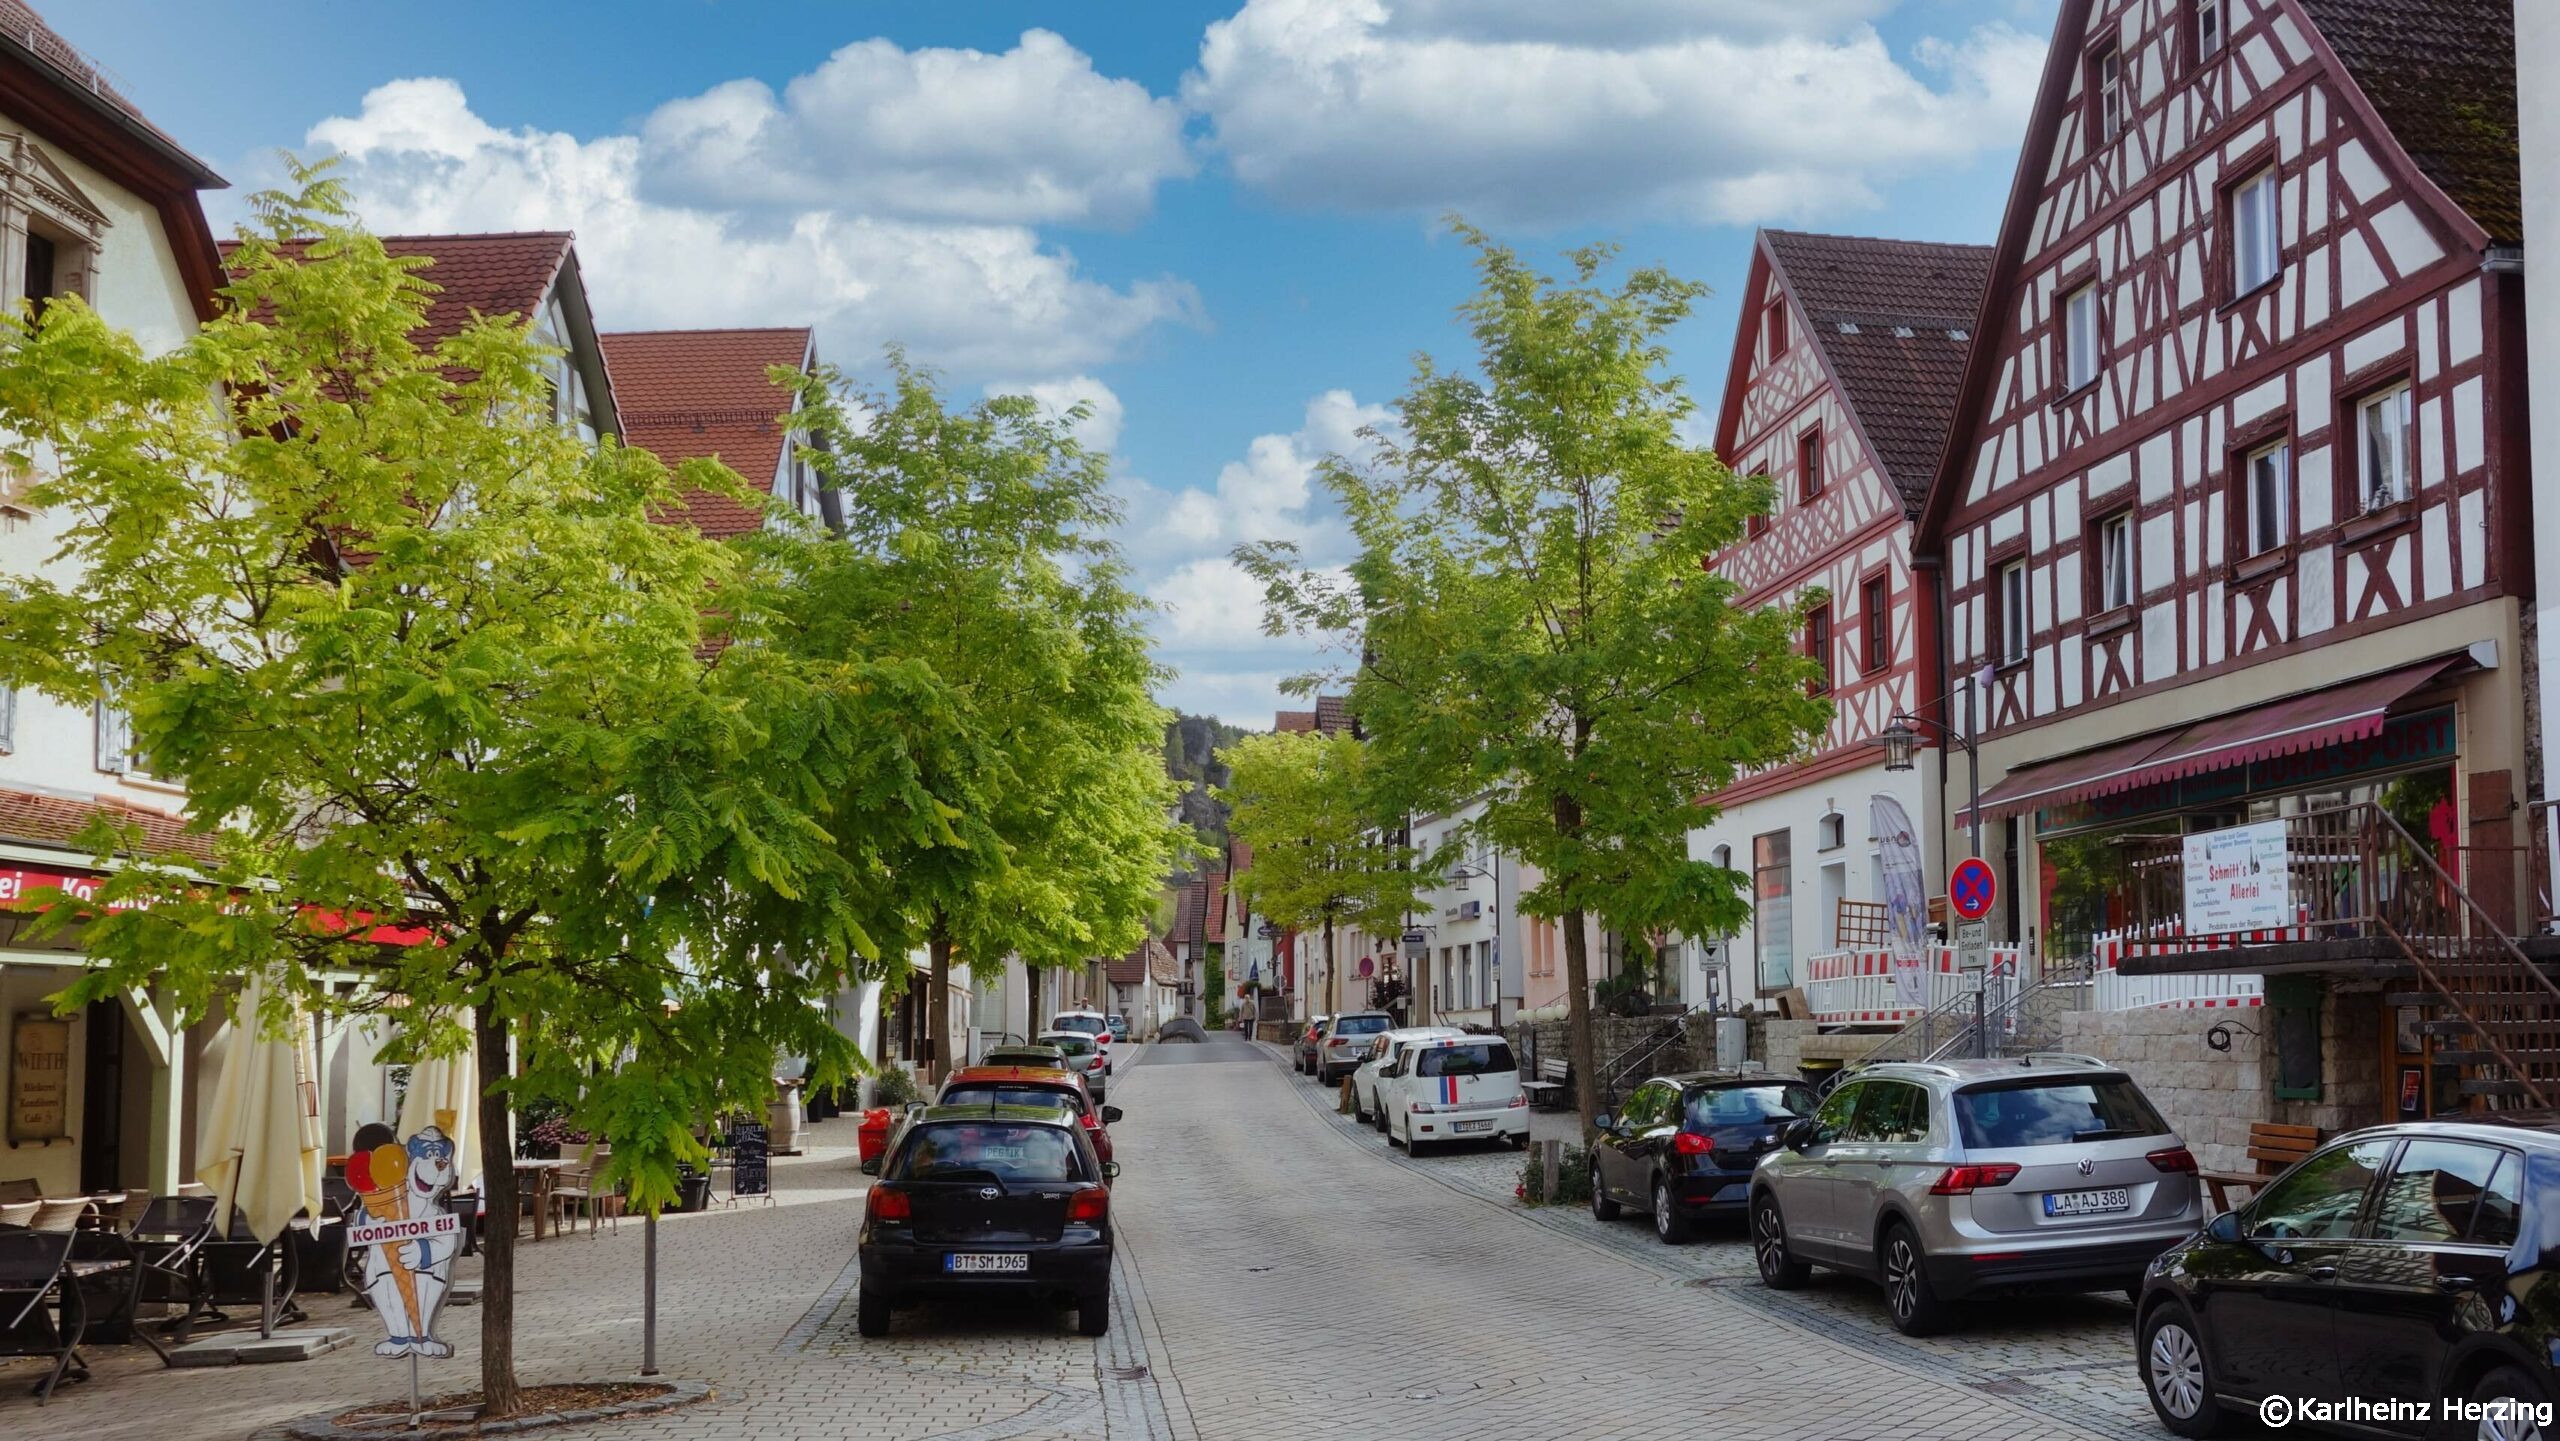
1906 900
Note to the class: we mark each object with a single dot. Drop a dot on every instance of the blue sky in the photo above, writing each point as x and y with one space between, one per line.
1214 221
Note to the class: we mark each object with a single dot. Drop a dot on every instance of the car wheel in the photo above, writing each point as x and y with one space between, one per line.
871 1312
2175 1375
1392 1138
1093 1314
1908 1297
1779 1270
1668 1223
2510 1383
1602 1208
1381 1118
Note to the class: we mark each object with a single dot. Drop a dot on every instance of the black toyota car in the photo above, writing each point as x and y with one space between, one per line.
989 1200
1683 1146
2415 1264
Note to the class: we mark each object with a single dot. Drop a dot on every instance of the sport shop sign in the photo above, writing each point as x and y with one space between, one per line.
2237 880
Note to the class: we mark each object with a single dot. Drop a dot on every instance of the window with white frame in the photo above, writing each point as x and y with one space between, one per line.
2206 18
2267 498
2115 561
2107 78
2080 337
2013 618
2382 440
51 231
2256 248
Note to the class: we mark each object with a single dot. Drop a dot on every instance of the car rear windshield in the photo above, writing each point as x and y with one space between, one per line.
1090 1025
2054 1112
1073 1045
982 1095
1750 1105
1362 1025
971 1150
1475 1058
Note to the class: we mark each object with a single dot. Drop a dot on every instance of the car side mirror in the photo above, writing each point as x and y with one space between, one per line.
1111 1115
1111 1170
1802 1135
2224 1228
1605 1121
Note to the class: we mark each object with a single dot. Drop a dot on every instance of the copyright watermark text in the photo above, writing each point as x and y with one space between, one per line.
2397 1411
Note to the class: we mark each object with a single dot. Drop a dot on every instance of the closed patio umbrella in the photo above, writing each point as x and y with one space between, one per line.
261 1148
441 1084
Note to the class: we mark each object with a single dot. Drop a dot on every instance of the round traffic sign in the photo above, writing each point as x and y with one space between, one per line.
1971 888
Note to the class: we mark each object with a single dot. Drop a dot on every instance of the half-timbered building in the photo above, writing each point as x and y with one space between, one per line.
1842 382
2234 524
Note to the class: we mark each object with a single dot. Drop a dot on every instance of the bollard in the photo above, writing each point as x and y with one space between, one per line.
1550 1169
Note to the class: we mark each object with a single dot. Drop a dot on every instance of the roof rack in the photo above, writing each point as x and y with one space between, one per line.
2070 1058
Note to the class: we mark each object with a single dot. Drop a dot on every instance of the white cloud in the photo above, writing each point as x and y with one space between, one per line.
980 298
1270 494
1687 109
1032 135
1099 431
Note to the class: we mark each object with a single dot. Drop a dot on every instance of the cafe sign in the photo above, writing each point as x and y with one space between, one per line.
2237 880
39 1078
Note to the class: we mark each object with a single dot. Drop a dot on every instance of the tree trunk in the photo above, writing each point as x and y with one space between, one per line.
937 1006
498 1389
1577 1022
1332 974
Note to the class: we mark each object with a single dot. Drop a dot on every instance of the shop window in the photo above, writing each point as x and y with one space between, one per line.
2256 244
1874 606
2382 447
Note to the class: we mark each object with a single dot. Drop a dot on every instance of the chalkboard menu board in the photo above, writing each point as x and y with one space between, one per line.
750 1156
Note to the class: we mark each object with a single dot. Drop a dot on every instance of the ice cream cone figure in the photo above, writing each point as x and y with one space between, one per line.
406 1279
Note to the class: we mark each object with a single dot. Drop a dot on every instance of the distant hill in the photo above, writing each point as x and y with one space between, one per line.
1191 743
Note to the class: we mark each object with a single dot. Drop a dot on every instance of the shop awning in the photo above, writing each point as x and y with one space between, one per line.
2294 724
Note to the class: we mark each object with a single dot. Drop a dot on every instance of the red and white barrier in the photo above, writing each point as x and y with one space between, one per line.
1855 988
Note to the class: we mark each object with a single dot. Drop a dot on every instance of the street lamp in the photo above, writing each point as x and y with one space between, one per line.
1901 742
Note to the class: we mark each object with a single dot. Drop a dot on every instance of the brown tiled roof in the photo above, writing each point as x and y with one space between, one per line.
1161 964
21 26
1891 317
1333 713
1217 916
2442 74
43 820
1131 969
499 274
1293 722
691 394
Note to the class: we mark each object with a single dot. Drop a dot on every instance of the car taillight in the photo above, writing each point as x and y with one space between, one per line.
2176 1160
1092 1122
1691 1145
1517 1102
1088 1206
889 1204
1965 1180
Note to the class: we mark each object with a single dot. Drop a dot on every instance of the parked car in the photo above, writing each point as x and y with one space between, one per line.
1948 1179
1306 1047
1684 1147
1023 1053
1364 1079
1119 1028
1082 1057
1092 1023
1345 1039
982 1200
2403 1262
1031 1086
1462 1088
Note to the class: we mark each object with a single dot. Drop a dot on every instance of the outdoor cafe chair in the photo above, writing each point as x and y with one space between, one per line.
18 1213
61 1215
43 1309
167 1241
235 1266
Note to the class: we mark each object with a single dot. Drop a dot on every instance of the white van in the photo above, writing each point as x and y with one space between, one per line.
1465 1088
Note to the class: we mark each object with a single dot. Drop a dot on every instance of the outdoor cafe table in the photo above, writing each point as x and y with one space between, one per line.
543 1175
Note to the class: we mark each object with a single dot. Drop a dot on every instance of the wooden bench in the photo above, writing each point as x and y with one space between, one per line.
2275 1148
1549 1091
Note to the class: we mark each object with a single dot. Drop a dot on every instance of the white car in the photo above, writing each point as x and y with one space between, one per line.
1461 1089
1092 1023
1364 1081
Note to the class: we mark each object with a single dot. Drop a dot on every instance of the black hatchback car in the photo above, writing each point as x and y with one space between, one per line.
1683 1146
2393 1271
988 1200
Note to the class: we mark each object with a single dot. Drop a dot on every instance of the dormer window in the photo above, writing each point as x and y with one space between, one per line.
2106 84
2256 247
2080 338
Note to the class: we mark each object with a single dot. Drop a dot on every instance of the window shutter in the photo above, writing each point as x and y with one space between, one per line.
114 735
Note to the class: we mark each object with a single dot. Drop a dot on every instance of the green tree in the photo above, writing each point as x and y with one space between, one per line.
1326 852
417 652
975 544
1536 624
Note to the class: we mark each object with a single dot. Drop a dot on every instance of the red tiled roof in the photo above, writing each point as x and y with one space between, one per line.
1890 317
21 26
1217 917
1131 969
1294 721
688 394
2442 74
492 275
1333 713
45 820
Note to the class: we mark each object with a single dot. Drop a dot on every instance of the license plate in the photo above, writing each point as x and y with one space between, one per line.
965 1263
2087 1203
1473 1126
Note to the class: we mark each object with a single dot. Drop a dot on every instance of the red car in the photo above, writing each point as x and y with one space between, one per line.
1031 1086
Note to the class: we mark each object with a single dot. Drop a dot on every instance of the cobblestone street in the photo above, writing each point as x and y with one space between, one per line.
1283 1274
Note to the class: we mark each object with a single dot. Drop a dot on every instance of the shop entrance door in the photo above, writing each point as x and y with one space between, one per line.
2415 1084
102 1099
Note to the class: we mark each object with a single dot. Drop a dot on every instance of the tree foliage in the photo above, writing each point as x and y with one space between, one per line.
975 544
418 652
1326 851
1537 624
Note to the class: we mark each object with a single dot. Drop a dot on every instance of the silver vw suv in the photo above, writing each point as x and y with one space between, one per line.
1946 1179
